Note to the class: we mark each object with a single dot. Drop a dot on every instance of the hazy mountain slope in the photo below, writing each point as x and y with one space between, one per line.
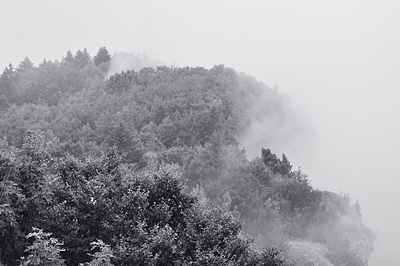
191 121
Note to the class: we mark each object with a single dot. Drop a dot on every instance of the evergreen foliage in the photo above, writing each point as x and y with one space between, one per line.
108 167
102 56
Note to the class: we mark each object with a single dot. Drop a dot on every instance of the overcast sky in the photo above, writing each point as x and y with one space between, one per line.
340 60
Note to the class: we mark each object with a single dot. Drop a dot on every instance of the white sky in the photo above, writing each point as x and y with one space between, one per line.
339 59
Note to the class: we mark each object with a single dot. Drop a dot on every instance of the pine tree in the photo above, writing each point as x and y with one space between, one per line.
69 58
81 59
102 56
6 81
25 65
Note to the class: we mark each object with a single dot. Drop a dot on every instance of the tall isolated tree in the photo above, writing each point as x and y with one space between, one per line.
102 56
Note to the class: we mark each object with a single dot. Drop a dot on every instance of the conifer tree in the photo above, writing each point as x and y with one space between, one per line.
25 65
81 59
69 58
6 81
102 56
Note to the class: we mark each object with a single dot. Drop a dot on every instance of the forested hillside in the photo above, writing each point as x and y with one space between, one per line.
146 167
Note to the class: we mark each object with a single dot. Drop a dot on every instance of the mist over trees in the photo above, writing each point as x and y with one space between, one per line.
147 167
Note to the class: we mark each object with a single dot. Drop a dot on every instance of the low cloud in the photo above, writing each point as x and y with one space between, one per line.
124 61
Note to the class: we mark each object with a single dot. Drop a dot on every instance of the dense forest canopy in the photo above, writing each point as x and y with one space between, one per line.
145 167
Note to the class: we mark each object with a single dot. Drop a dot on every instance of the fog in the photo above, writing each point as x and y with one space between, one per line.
279 123
338 61
123 61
